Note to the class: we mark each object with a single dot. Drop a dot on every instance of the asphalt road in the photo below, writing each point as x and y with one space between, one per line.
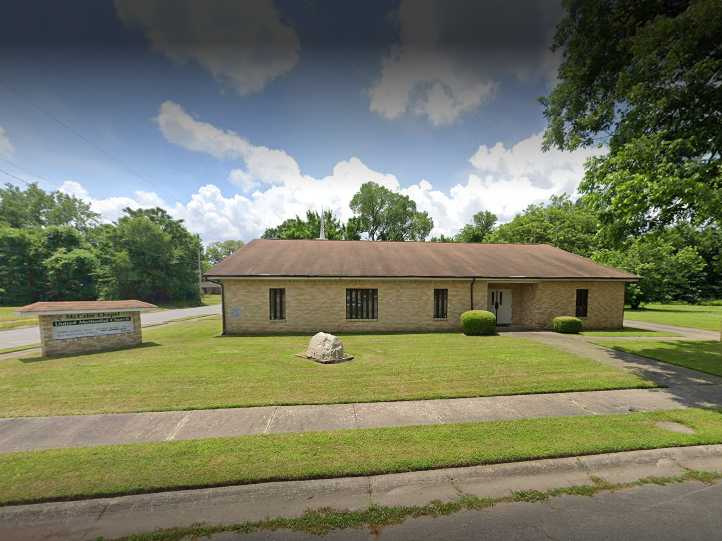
686 511
31 335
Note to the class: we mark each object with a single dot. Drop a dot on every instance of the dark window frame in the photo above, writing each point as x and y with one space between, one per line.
277 303
582 303
441 303
362 303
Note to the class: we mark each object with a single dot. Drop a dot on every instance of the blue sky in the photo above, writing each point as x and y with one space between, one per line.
237 115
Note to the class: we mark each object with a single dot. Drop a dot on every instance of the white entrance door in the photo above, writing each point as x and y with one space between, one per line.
500 304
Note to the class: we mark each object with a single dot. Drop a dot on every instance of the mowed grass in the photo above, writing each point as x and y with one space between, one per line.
703 356
627 331
127 469
10 319
683 315
188 366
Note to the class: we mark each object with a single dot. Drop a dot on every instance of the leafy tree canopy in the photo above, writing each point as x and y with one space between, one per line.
480 229
310 228
386 215
644 77
33 207
561 222
218 251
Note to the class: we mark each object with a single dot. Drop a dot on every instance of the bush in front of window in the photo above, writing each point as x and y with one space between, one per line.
567 324
478 323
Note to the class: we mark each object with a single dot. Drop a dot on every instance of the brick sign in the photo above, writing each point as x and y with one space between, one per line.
98 324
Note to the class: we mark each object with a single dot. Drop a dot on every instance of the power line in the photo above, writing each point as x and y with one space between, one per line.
76 133
28 173
15 177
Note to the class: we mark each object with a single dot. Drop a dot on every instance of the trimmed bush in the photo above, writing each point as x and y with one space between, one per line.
567 324
478 322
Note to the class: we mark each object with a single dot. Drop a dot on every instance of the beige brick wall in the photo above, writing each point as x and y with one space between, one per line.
320 305
546 300
407 305
85 344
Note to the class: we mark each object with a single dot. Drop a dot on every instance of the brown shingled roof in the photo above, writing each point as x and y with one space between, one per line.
85 306
363 259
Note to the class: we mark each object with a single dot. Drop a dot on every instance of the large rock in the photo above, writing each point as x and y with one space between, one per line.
326 348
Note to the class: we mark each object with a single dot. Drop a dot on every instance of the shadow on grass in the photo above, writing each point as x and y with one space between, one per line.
30 360
691 371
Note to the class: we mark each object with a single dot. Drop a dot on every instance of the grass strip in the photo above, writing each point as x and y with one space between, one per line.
67 474
325 520
704 356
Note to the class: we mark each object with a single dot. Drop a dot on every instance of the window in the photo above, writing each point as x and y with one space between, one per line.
582 302
362 303
277 303
441 302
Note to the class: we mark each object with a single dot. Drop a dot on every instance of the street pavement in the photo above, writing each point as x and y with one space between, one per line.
27 336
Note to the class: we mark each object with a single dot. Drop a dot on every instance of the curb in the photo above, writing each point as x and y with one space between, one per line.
127 515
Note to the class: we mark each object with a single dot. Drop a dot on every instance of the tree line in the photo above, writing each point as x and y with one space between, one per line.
53 247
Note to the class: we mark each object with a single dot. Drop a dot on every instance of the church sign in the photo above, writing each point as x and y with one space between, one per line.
100 324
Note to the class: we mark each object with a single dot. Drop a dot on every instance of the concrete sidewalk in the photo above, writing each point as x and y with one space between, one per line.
685 332
127 515
31 335
28 433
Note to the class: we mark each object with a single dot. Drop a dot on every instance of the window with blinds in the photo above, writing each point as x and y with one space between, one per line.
441 302
362 303
277 303
582 302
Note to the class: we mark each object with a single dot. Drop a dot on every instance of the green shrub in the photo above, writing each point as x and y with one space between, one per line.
478 322
567 324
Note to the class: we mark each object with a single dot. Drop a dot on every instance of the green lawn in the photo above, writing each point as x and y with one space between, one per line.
126 469
187 366
9 319
683 315
702 356
627 331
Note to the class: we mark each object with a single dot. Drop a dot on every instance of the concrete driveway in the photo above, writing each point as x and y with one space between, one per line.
31 335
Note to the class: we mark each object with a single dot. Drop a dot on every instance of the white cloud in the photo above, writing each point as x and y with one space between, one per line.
6 147
243 44
111 208
452 55
502 179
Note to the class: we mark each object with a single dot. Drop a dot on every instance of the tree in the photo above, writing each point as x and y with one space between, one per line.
386 215
150 256
666 272
644 77
33 207
22 278
71 275
561 222
482 225
218 251
310 228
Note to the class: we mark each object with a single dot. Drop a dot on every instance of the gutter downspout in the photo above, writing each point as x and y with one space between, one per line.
471 293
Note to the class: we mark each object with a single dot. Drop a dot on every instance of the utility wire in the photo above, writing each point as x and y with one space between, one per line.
76 133
28 173
15 177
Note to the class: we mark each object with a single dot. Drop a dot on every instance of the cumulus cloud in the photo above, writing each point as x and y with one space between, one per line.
452 55
502 179
242 44
6 147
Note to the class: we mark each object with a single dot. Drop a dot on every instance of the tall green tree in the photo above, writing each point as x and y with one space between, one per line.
386 215
480 229
217 251
666 272
22 276
566 224
34 207
309 228
150 256
644 78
